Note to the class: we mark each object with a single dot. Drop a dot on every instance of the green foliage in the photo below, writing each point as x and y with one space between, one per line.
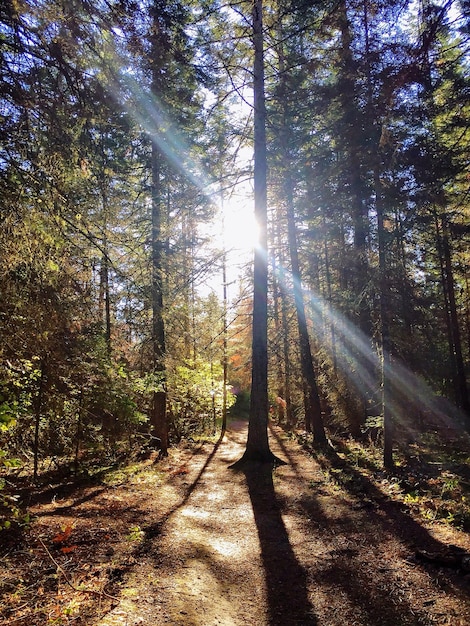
136 534
17 388
241 406
431 482
353 119
151 382
8 412
14 403
11 514
196 396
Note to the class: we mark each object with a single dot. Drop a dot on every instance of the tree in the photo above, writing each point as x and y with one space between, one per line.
257 445
172 80
438 172
286 145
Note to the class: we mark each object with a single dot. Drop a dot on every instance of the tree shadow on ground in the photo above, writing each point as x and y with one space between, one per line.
89 496
380 517
396 520
94 486
286 581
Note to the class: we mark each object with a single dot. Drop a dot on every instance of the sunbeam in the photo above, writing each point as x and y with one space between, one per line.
233 228
362 365
151 115
411 398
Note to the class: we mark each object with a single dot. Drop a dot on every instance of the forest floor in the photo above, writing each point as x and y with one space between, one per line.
188 541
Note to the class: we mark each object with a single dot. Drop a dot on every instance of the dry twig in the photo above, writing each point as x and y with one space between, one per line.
67 580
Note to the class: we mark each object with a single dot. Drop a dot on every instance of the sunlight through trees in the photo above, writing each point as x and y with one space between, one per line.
334 138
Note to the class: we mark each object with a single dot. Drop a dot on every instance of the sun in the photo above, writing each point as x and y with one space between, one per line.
240 229
234 232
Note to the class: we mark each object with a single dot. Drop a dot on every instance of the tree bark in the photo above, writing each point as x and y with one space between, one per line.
257 446
353 149
329 292
455 341
388 423
37 417
104 295
280 379
158 419
225 344
313 416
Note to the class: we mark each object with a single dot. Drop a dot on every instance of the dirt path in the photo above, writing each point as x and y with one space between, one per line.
287 548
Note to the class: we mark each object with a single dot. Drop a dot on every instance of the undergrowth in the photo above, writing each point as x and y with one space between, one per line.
431 477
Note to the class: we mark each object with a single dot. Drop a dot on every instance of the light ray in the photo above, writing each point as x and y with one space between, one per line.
151 115
356 358
149 112
239 233
410 395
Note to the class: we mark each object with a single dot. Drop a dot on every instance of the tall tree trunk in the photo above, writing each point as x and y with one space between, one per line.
467 312
375 131
286 356
313 417
257 446
188 312
429 24
285 384
37 417
281 407
460 382
158 419
404 290
330 298
159 46
445 296
388 423
225 343
104 303
104 295
352 147
78 433
285 411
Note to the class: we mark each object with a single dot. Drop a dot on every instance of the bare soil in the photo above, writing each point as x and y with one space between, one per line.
187 541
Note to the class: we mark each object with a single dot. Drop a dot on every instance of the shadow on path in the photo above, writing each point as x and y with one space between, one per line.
341 572
153 530
286 582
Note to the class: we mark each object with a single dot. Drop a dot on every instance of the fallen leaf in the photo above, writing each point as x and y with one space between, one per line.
63 536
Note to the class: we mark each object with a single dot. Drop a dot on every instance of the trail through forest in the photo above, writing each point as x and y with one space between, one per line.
190 542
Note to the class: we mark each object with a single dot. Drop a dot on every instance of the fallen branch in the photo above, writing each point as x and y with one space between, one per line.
68 581
458 559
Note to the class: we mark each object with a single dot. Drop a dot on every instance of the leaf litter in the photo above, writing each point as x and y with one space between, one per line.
186 541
